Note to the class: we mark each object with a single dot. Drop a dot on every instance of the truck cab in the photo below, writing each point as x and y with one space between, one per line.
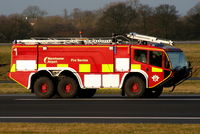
181 68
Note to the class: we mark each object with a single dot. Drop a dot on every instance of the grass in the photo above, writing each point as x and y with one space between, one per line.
192 52
187 87
86 128
4 62
12 88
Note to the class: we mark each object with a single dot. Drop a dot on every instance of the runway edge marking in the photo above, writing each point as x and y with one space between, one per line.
81 117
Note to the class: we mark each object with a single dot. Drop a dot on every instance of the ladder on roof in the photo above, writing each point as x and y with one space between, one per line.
66 41
91 41
141 37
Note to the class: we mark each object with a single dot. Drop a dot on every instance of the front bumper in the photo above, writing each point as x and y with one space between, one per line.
179 76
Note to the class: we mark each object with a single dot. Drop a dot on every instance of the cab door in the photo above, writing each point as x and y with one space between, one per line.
155 68
150 64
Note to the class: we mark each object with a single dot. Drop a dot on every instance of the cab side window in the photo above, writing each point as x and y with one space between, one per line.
155 58
141 56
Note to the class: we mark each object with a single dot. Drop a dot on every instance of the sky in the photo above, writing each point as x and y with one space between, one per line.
56 7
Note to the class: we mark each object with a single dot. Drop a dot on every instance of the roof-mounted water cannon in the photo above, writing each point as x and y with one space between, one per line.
141 37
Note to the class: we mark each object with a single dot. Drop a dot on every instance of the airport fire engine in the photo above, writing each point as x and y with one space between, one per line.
137 64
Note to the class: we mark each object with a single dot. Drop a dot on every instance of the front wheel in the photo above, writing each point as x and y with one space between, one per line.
44 88
134 87
67 87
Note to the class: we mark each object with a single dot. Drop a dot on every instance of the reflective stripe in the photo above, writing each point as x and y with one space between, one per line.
13 68
62 65
154 69
71 46
84 68
135 66
41 65
107 67
144 48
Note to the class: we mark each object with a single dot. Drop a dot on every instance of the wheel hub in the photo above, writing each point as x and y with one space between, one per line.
135 88
44 88
68 88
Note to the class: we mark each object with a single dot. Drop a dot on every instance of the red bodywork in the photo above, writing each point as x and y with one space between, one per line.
87 62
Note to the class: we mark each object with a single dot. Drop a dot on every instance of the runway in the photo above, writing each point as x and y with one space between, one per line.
101 109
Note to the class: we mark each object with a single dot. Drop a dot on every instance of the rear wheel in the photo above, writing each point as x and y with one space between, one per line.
67 87
44 88
134 87
153 92
87 93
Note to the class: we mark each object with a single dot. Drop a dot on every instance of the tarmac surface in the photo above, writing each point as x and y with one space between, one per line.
100 109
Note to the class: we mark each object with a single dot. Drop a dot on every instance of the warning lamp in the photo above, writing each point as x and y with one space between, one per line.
80 33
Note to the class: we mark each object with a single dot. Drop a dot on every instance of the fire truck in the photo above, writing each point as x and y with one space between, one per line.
139 65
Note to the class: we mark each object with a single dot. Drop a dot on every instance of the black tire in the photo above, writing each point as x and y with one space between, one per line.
87 93
67 87
44 87
153 92
134 87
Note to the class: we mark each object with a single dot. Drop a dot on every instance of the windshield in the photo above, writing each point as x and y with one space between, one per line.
177 59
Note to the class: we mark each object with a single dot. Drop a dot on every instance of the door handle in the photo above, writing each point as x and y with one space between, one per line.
147 69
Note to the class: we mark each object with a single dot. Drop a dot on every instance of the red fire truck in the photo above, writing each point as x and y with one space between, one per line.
77 67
